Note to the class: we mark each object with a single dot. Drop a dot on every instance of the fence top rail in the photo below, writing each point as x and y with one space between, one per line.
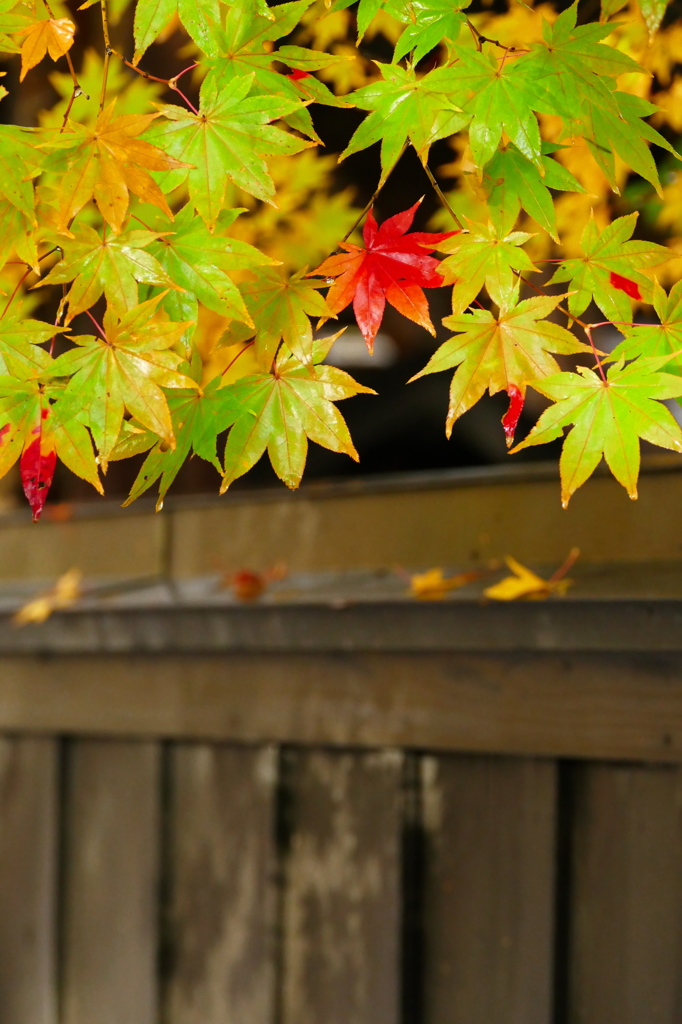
608 609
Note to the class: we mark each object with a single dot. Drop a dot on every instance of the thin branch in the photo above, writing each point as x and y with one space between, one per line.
170 82
18 286
372 201
437 189
77 91
107 53
588 332
479 39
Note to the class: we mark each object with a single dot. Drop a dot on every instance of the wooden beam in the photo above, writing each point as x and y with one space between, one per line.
588 706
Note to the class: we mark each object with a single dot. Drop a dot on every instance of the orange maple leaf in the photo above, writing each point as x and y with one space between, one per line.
53 36
110 161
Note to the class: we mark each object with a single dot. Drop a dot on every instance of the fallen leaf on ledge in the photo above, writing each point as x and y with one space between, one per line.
247 585
433 585
66 590
526 585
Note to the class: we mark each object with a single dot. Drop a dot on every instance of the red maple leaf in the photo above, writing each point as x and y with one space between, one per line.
624 284
511 417
37 465
392 267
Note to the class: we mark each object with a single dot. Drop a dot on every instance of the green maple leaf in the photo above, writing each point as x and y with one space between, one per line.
434 21
199 17
405 108
622 130
20 354
500 97
19 162
496 353
125 370
244 45
513 183
485 256
664 338
110 264
17 235
198 417
609 252
368 10
280 411
570 63
609 417
25 405
201 262
228 138
280 307
652 12
12 19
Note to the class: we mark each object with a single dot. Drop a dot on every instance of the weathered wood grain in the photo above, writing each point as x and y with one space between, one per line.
488 890
605 706
28 847
341 902
110 883
221 885
626 936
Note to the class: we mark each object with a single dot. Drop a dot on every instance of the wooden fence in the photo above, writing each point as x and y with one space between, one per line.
210 883
332 811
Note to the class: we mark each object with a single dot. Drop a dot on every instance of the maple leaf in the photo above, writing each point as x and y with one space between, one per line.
570 63
608 252
498 353
111 265
512 181
434 21
12 20
499 98
280 307
392 267
280 411
17 235
608 418
126 368
106 161
65 592
525 585
19 162
484 256
20 354
201 262
53 36
664 338
433 585
198 418
405 108
228 138
245 47
151 16
37 431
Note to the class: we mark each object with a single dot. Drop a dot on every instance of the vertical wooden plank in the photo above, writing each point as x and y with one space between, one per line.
488 890
341 905
111 882
222 898
626 948
28 842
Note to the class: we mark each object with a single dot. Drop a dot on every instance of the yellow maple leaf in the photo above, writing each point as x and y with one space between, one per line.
433 585
526 585
51 35
109 162
66 590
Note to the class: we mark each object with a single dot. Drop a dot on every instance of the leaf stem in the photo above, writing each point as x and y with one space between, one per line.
18 286
88 313
479 39
443 198
77 91
107 53
240 353
170 82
